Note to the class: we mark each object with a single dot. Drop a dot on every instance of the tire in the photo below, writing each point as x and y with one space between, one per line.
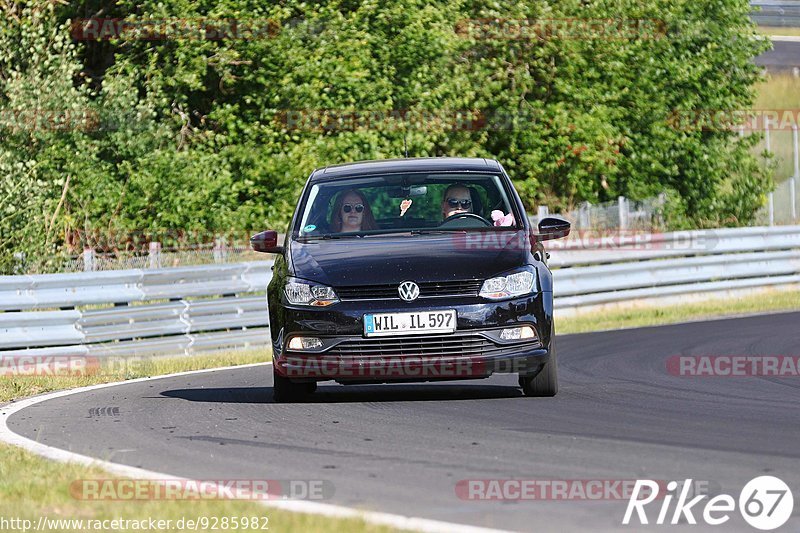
545 383
285 390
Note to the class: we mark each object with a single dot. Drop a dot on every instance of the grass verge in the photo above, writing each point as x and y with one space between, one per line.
769 301
120 369
779 92
778 30
32 487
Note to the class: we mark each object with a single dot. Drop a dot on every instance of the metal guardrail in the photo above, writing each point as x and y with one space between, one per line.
670 272
586 248
156 311
591 274
193 309
127 286
783 13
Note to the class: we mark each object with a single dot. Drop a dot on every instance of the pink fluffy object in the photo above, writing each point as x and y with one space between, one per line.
502 220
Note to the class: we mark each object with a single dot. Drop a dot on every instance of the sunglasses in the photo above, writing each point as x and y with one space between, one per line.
465 204
348 207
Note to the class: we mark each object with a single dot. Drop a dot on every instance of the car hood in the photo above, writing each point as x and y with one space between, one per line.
395 258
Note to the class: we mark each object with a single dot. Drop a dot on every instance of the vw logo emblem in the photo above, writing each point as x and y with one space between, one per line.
409 291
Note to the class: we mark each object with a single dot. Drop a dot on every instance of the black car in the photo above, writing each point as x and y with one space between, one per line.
411 270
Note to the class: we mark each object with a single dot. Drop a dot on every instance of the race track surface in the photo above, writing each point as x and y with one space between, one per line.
783 56
619 415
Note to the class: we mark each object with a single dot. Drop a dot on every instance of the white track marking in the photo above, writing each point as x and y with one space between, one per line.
299 506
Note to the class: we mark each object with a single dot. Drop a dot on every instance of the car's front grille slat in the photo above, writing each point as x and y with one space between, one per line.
429 289
411 351
459 344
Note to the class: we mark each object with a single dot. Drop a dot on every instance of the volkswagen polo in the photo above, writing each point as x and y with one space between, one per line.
411 270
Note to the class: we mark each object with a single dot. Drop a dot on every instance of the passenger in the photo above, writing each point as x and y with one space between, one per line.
351 212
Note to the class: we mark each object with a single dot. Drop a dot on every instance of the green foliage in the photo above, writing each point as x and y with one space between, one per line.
42 151
193 133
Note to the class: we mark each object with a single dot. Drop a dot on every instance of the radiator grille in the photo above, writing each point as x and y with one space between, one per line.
430 289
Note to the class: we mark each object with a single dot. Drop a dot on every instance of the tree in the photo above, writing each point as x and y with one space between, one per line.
194 134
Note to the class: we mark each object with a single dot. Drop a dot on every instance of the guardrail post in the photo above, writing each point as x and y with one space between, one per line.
622 209
796 175
657 218
19 263
88 260
541 212
771 208
220 250
155 255
585 215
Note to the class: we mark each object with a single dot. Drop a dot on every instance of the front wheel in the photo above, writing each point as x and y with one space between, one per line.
545 383
285 390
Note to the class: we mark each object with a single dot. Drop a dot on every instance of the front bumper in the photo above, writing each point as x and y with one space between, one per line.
474 351
409 368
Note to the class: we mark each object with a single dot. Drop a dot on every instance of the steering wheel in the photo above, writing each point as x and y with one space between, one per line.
467 216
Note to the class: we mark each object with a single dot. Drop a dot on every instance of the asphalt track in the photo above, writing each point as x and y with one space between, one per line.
402 449
785 55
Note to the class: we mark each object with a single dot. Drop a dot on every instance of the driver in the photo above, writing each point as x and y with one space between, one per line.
456 199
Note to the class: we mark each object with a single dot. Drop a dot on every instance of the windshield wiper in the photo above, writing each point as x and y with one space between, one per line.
305 238
330 236
430 231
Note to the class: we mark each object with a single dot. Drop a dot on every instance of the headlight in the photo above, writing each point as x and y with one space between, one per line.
304 344
305 293
510 286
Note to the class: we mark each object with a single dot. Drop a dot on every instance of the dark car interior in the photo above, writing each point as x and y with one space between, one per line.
425 194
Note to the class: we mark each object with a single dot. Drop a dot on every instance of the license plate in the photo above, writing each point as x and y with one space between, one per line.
384 324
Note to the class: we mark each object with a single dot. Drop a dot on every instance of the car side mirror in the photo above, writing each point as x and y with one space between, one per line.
266 242
552 228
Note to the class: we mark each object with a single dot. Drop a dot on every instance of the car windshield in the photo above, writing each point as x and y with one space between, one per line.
397 203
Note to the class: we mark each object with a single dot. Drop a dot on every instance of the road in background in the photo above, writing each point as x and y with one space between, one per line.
784 56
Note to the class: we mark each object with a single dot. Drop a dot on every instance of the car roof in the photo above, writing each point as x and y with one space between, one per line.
417 164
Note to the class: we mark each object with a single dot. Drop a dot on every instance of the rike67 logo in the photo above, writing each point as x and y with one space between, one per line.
765 503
